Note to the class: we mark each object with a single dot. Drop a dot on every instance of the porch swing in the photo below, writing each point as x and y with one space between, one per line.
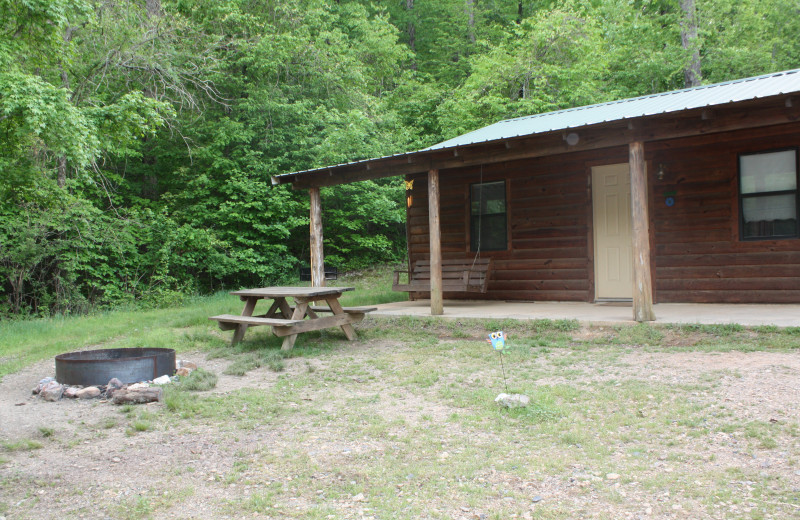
465 275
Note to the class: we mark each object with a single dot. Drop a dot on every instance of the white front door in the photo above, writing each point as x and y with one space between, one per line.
613 256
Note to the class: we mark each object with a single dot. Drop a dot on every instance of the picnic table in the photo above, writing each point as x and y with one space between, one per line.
288 320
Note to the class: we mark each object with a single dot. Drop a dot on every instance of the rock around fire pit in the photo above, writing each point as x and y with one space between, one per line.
129 365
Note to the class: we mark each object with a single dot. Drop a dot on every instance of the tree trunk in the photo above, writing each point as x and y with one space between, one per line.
412 31
691 73
62 172
470 7
62 161
153 8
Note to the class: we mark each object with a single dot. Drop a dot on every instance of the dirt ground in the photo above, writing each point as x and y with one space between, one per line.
84 470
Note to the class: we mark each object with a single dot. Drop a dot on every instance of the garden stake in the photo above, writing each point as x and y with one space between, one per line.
498 341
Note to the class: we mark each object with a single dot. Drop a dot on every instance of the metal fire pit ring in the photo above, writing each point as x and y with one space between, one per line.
129 365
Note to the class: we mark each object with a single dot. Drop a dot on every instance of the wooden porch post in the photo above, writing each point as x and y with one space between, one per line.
317 259
642 279
437 306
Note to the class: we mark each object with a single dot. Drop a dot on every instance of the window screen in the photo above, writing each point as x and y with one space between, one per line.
488 229
769 195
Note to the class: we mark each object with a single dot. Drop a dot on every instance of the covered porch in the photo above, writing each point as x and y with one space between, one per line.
748 315
646 199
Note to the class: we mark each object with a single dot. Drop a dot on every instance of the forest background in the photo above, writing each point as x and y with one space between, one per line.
138 137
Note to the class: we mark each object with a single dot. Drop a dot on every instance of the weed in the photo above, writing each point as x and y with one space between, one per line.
243 364
22 445
46 432
639 334
141 426
198 380
275 362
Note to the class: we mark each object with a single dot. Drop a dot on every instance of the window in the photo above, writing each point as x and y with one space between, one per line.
488 227
768 195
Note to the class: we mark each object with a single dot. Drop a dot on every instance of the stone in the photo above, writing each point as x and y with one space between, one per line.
182 363
52 391
42 383
90 392
512 400
536 499
359 497
183 371
612 476
113 385
138 386
163 380
71 392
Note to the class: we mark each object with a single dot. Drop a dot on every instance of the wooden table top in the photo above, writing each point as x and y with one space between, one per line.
283 292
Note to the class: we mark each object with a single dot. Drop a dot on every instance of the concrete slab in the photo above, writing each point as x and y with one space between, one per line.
781 315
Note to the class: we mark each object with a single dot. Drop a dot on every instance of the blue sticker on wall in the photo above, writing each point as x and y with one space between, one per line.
669 201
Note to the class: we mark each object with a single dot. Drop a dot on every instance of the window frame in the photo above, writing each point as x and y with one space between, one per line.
473 229
742 196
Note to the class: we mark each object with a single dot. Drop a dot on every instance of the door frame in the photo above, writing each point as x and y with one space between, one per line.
621 157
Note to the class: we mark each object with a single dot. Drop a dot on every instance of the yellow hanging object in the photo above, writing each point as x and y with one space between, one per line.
409 187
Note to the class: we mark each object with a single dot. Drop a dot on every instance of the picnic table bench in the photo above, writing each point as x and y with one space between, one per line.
287 320
458 275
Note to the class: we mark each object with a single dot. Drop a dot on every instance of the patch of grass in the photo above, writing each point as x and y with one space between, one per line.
762 432
198 380
240 407
46 431
275 362
22 445
134 509
721 329
639 334
141 426
250 355
243 364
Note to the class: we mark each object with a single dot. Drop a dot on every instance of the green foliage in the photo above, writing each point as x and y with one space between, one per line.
551 61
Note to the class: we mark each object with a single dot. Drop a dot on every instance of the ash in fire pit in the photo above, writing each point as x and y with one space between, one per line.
129 365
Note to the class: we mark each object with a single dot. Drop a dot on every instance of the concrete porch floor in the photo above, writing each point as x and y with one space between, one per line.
782 315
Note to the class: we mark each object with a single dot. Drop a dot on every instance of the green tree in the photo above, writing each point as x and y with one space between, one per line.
552 60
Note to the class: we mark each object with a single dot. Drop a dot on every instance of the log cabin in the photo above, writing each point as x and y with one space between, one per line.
685 196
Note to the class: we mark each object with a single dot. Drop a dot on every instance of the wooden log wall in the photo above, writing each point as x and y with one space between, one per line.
697 254
549 221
